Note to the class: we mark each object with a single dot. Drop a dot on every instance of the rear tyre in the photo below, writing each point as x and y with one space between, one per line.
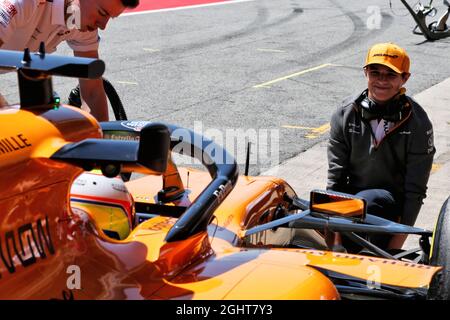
440 255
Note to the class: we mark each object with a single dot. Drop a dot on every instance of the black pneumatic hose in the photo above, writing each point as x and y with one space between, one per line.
113 97
114 100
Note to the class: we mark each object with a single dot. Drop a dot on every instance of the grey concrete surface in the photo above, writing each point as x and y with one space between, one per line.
203 64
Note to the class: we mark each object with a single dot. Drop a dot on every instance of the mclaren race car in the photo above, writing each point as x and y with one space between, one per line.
74 226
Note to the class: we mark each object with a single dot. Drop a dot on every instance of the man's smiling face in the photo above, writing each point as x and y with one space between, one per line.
383 82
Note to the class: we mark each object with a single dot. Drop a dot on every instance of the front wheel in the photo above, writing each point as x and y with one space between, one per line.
440 255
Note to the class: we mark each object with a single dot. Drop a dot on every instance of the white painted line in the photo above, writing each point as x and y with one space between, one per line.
184 8
151 50
270 50
128 83
269 83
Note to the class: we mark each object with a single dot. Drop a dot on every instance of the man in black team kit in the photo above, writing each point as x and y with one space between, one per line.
381 144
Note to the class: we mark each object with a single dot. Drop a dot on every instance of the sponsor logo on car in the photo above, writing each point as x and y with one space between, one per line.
7 12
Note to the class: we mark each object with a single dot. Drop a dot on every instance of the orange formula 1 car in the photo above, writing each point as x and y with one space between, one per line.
66 233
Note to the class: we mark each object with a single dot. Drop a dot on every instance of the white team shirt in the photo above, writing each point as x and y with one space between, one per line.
25 23
381 129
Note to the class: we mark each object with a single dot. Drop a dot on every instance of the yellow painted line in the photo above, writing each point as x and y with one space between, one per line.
151 50
270 50
313 132
128 82
297 127
269 83
322 129
435 167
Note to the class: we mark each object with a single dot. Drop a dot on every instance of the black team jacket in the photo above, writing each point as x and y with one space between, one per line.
400 163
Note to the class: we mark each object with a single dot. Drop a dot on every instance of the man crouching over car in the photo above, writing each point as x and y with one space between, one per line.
27 23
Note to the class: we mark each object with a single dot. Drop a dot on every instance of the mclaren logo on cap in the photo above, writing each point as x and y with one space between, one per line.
385 55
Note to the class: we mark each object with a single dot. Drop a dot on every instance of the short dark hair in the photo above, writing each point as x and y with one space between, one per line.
130 3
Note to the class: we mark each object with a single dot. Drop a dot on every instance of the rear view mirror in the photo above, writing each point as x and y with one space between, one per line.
337 204
154 147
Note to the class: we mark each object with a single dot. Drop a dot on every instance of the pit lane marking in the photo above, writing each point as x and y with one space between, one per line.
128 83
269 83
151 50
270 50
435 167
298 127
313 132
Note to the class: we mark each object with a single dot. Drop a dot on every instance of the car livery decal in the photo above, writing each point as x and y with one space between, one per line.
12 245
134 125
13 143
7 12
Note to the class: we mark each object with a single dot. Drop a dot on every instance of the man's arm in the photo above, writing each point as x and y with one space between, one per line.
93 92
418 167
3 101
338 154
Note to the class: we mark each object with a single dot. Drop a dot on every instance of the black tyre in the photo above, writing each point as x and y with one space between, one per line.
440 255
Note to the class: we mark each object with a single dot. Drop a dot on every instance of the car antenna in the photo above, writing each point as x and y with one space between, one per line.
187 183
42 49
247 160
